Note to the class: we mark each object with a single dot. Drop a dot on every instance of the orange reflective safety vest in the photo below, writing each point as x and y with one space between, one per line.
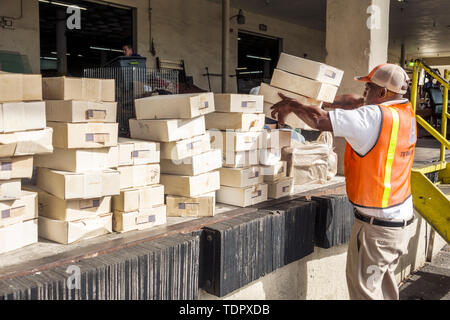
382 177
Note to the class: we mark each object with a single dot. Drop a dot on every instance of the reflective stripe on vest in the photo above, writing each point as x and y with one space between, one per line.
390 157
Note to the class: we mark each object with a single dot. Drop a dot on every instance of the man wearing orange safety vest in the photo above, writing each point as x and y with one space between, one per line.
380 130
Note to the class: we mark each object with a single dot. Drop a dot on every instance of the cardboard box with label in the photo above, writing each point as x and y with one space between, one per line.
18 235
67 232
235 121
269 157
84 135
186 148
79 160
26 143
139 220
243 103
281 188
178 106
240 159
87 185
16 168
16 87
195 165
231 141
22 116
134 152
310 69
241 178
201 206
135 199
191 186
108 90
167 130
10 189
75 111
274 172
304 86
16 211
70 210
242 197
276 139
139 176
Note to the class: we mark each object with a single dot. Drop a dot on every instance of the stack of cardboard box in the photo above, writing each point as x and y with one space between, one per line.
188 164
76 182
306 81
273 169
23 133
237 128
140 204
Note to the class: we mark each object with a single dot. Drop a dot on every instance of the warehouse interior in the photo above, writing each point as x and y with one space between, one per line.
207 48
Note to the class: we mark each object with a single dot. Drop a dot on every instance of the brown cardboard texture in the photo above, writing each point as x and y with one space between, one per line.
10 189
16 211
22 116
186 148
134 152
135 199
75 111
280 188
18 235
26 143
240 159
274 172
244 103
139 220
191 186
241 178
231 141
84 135
242 197
139 176
178 106
235 121
276 139
201 206
16 168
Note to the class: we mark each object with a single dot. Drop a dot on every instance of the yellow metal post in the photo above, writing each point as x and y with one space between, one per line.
444 115
415 85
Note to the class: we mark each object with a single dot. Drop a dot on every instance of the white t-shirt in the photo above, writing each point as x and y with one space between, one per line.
361 128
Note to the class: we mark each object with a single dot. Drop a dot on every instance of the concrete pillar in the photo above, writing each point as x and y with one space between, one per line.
61 40
225 43
357 40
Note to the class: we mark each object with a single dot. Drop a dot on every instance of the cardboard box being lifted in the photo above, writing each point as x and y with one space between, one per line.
167 130
85 89
310 69
304 86
240 159
242 197
178 106
139 220
134 152
18 235
135 199
70 210
191 186
235 121
16 168
67 232
186 148
79 160
88 185
139 176
84 135
16 87
201 206
231 141
75 111
281 188
241 178
243 103
22 116
195 165
26 143
23 209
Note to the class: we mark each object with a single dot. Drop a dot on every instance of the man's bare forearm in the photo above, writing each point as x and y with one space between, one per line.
315 117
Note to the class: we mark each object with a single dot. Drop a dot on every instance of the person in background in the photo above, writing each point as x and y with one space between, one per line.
128 51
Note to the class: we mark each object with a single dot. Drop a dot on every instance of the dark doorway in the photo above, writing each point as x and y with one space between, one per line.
257 58
105 28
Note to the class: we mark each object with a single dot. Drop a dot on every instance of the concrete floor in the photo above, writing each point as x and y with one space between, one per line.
432 282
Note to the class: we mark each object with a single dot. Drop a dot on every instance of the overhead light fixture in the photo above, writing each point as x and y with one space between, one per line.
260 58
56 3
250 72
105 49
49 58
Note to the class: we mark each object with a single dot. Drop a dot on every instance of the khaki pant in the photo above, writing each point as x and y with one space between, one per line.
373 254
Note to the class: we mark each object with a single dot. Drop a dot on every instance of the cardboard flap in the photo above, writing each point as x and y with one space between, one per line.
95 114
89 204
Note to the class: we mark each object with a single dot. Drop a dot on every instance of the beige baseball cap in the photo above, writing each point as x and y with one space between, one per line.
389 76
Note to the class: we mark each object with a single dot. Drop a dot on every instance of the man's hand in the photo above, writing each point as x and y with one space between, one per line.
345 101
314 117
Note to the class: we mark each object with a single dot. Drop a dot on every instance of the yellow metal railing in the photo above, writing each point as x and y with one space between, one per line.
440 136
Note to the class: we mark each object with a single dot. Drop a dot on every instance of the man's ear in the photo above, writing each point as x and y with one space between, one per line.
383 93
